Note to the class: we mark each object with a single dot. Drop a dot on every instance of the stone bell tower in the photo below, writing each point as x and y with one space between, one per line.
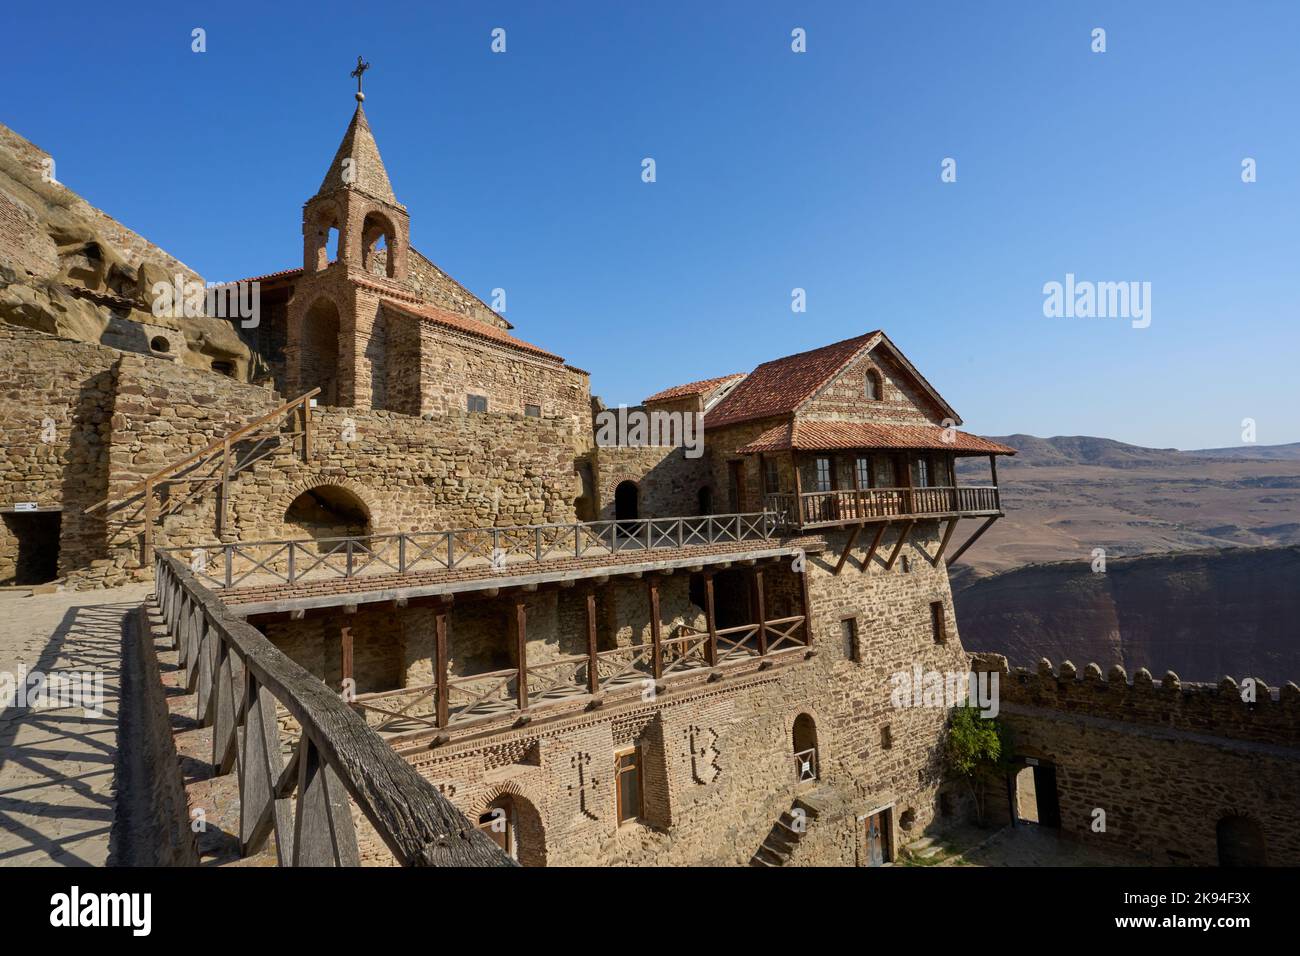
335 339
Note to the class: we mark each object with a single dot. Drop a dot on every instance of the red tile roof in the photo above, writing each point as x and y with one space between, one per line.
693 388
459 323
830 436
782 385
283 273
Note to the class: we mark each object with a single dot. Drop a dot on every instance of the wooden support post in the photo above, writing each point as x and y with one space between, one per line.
520 625
711 619
593 676
943 543
898 548
797 517
656 629
757 577
848 546
875 543
440 666
150 516
807 609
345 654
972 539
225 487
306 429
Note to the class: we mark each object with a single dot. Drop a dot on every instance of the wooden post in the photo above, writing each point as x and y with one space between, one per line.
711 619
797 517
520 623
150 515
306 429
440 666
760 610
656 630
593 677
225 486
807 612
345 642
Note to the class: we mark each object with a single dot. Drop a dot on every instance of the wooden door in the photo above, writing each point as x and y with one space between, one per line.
736 477
878 838
1049 804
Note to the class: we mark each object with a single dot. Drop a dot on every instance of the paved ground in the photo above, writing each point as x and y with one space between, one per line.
56 766
1032 845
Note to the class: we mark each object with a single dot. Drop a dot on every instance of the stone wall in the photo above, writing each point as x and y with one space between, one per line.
844 399
668 482
1164 761
716 758
56 403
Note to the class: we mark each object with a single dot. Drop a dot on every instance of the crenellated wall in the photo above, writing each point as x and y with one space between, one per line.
1164 761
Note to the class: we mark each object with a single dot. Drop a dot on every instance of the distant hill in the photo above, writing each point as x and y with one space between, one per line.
1289 452
1038 452
1201 614
1068 495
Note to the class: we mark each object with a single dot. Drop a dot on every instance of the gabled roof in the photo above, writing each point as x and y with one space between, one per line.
459 323
693 388
803 435
367 168
783 386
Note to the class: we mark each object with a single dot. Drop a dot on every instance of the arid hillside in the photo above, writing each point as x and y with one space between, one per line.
1200 614
1066 497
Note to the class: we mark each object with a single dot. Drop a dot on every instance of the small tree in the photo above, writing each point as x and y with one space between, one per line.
976 749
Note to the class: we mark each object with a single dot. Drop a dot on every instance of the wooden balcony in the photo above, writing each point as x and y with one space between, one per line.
820 509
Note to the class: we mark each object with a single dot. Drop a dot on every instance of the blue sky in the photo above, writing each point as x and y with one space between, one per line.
775 170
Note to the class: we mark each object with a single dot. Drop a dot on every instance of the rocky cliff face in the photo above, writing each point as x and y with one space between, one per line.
1200 614
70 269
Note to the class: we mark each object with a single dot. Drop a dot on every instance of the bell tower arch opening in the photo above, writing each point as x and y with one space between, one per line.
379 241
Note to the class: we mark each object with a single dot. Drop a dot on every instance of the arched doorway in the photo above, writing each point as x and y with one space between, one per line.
514 824
328 511
805 749
627 504
320 351
1240 841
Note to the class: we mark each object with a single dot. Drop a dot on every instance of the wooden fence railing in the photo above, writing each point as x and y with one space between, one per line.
238 678
292 561
621 669
176 485
867 504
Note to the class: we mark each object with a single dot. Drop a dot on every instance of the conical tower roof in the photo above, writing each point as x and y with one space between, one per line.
366 171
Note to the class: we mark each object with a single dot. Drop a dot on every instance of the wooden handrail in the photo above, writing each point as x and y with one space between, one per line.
223 442
239 676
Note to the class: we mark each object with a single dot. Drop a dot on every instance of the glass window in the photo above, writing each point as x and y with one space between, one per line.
864 472
885 472
921 473
771 477
532 411
627 770
823 482
477 403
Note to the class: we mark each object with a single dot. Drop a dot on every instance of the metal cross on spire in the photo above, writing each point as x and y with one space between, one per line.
362 66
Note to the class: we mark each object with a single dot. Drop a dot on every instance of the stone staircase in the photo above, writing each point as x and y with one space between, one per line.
785 834
922 849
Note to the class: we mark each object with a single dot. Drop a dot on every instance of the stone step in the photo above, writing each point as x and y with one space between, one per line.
917 845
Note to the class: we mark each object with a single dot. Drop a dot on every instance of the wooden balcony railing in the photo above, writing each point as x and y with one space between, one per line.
493 549
870 504
239 678
621 670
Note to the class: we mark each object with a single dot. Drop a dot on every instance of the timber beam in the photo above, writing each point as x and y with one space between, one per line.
898 547
972 539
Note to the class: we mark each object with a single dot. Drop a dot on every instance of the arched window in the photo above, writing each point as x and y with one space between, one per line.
1241 842
805 748
378 256
323 239
514 824
626 501
872 386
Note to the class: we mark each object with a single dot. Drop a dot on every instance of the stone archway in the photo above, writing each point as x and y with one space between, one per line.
327 511
379 245
512 820
319 351
804 739
627 501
